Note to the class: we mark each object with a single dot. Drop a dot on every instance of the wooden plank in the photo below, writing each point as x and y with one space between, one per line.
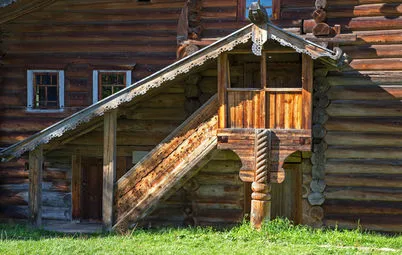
76 185
222 85
35 186
109 167
307 84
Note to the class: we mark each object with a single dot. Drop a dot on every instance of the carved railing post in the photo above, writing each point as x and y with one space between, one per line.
260 198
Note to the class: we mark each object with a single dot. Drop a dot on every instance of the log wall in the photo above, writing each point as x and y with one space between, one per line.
357 168
213 197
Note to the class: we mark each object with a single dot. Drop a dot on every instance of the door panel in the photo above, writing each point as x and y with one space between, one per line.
92 182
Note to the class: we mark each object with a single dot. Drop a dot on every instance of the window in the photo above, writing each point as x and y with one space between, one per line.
270 5
45 90
108 82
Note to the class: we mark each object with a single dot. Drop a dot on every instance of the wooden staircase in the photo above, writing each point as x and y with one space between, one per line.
176 159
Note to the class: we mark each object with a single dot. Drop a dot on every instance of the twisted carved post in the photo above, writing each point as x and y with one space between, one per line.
260 198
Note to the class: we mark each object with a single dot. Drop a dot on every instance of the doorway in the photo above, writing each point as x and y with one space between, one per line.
92 183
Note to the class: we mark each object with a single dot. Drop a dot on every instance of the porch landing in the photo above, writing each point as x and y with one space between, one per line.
73 227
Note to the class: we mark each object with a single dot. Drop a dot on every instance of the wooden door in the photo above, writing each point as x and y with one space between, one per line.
286 198
92 181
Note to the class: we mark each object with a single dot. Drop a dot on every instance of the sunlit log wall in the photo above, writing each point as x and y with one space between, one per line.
361 126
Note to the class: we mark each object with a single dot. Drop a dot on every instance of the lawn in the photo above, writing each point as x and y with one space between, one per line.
276 237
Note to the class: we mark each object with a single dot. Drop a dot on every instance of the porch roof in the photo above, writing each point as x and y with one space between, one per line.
159 78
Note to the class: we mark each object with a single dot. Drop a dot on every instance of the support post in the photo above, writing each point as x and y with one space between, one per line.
223 75
260 198
35 186
76 185
109 168
307 83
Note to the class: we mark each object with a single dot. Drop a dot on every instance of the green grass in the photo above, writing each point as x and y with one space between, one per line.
276 237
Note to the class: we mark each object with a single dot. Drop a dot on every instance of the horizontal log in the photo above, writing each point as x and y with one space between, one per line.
340 223
364 10
216 191
226 204
366 108
219 166
164 100
363 166
359 23
362 139
48 213
376 64
216 178
157 114
165 126
352 152
359 195
366 92
365 124
373 51
123 138
378 37
365 78
298 3
382 182
49 198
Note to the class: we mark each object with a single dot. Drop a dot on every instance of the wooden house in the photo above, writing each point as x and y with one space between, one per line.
262 120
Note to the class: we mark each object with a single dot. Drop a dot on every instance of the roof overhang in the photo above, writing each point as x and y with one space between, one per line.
168 73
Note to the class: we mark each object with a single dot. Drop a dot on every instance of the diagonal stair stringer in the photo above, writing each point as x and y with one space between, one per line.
179 156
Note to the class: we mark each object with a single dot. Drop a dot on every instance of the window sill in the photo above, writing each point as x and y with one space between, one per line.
44 110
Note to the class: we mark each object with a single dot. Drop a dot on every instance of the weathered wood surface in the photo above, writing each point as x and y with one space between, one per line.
143 185
35 186
109 167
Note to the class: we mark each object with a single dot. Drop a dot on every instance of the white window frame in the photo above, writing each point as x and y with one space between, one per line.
95 82
30 90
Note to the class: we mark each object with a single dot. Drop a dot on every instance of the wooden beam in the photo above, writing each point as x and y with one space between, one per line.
109 167
262 122
222 85
35 186
76 185
307 84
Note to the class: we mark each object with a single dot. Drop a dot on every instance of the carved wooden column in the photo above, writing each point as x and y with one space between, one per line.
109 167
35 186
260 198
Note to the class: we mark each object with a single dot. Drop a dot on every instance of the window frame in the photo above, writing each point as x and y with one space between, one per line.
241 10
96 84
31 88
